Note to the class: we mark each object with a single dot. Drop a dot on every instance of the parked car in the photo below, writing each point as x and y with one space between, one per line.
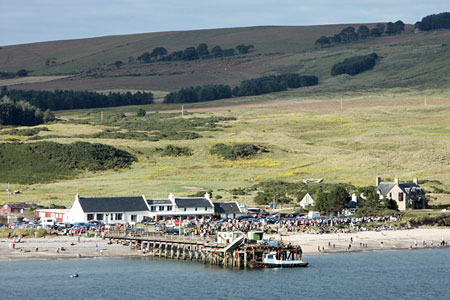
172 231
149 222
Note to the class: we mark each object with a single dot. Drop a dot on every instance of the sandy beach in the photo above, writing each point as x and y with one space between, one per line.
370 240
328 243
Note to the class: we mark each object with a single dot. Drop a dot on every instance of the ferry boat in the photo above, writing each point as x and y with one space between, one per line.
270 261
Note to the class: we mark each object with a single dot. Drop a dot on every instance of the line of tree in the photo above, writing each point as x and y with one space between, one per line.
349 34
8 75
64 99
192 53
432 22
22 113
199 94
273 83
251 87
355 65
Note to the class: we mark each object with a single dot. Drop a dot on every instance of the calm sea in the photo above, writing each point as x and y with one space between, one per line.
422 274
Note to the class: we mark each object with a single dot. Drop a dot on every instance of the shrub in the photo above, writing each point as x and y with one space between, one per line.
46 161
236 151
171 150
355 65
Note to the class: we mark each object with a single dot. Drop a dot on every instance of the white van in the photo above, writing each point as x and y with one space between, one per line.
47 222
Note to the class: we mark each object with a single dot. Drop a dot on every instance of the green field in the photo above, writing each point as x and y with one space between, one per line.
389 137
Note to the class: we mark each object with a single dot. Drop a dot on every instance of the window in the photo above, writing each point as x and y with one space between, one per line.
153 208
161 208
100 217
206 209
169 208
390 195
118 216
400 196
184 209
133 218
90 217
196 209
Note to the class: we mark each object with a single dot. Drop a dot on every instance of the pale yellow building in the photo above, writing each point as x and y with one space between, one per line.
406 194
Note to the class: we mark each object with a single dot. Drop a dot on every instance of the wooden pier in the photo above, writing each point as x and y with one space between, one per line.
236 254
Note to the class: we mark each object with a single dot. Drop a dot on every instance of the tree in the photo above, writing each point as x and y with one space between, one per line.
190 53
202 50
118 63
228 52
158 52
432 22
372 200
390 28
243 49
39 116
363 32
381 27
323 41
337 198
399 27
376 32
22 73
217 51
390 204
336 39
145 57
49 116
321 203
141 112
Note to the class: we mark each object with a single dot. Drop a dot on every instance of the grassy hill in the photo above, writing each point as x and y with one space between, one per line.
410 60
396 136
383 129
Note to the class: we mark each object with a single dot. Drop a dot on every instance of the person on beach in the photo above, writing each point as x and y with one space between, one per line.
318 248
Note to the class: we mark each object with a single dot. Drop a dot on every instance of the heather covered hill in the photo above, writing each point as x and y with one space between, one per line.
407 60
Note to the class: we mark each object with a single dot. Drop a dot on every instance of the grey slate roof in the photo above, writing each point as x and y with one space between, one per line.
158 201
192 202
113 204
385 187
226 208
407 187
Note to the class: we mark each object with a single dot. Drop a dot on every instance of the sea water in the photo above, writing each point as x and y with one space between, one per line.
419 274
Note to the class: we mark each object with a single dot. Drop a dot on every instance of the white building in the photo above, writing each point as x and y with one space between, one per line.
184 208
307 201
109 210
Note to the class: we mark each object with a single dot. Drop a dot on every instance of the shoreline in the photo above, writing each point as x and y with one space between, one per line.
366 241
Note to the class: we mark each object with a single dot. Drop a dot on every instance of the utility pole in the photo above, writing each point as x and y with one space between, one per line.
342 104
8 190
101 116
182 110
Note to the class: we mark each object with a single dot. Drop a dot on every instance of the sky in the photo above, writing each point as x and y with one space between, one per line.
26 21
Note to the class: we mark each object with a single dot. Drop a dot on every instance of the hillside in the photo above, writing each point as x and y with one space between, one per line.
409 60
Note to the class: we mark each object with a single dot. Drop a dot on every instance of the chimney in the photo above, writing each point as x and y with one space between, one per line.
416 180
172 198
378 181
396 180
207 196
